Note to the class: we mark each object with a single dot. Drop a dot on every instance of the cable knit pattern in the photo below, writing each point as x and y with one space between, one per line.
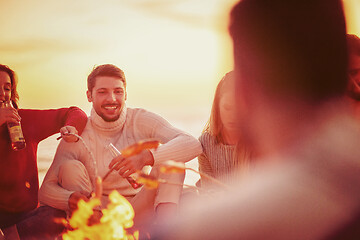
132 126
104 126
219 160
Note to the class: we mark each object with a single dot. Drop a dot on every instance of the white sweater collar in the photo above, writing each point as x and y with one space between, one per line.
102 125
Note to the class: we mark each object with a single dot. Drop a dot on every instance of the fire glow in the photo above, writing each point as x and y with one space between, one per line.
116 220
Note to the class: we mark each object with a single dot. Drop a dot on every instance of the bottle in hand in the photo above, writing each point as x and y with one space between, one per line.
16 134
115 152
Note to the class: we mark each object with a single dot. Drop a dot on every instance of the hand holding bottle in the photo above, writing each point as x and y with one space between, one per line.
116 153
12 119
8 114
129 165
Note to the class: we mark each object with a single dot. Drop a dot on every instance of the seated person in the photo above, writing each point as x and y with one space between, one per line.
19 182
224 155
73 172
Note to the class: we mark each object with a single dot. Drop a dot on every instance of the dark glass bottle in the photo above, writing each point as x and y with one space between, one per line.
16 134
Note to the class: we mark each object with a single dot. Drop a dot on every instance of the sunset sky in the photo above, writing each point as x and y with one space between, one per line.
173 52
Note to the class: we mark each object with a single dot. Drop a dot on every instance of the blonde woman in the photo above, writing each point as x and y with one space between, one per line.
223 153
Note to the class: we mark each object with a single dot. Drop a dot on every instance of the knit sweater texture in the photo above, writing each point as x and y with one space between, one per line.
217 159
132 126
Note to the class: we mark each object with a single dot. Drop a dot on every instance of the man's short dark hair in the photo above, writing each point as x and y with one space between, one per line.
292 48
105 70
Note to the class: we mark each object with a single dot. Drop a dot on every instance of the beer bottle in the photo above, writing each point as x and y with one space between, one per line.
115 152
15 132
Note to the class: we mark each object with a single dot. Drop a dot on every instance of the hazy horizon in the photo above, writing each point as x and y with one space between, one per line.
173 52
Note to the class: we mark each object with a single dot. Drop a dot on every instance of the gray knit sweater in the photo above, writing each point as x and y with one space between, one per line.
217 159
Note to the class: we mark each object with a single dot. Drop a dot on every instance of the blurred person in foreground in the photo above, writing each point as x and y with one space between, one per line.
223 151
72 175
354 72
19 182
292 82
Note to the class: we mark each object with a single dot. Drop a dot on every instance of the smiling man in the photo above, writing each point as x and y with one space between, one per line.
108 88
72 174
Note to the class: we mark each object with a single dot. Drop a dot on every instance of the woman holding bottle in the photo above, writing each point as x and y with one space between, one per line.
19 182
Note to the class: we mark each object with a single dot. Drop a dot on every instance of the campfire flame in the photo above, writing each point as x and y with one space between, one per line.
172 167
116 219
139 147
148 181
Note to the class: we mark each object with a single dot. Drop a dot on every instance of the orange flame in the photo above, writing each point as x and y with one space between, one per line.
150 182
138 147
172 167
117 217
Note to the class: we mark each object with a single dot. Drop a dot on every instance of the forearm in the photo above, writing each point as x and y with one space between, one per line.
182 148
77 118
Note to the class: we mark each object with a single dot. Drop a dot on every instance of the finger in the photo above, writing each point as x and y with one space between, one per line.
121 174
72 207
123 170
71 130
63 131
115 161
73 204
12 118
121 164
128 173
85 198
16 115
129 166
87 195
69 138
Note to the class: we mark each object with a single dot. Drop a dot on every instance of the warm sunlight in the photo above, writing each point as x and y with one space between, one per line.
173 52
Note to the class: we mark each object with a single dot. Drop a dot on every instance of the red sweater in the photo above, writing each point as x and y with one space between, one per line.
19 182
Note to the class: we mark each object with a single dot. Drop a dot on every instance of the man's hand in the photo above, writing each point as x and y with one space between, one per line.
130 165
75 197
95 218
66 133
9 114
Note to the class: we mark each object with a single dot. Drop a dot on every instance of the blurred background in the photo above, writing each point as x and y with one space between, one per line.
173 53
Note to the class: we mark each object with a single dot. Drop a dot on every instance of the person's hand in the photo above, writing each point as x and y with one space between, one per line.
75 197
95 218
130 165
67 133
9 114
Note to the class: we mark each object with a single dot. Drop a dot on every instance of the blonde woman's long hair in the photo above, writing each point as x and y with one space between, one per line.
215 127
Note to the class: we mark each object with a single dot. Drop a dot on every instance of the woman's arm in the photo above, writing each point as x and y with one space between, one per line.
43 123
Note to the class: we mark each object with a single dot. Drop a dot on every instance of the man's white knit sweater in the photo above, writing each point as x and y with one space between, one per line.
132 126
